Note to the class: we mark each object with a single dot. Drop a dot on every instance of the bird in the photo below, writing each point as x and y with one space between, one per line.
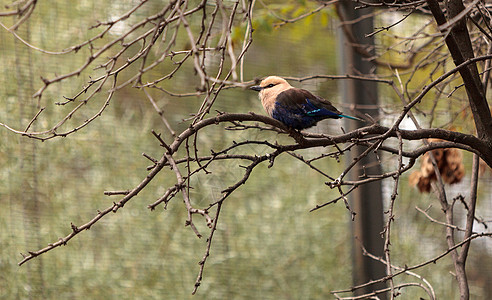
294 107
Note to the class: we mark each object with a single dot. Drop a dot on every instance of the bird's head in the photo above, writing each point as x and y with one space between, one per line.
269 89
273 83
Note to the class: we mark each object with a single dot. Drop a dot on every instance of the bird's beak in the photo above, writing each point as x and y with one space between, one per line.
256 88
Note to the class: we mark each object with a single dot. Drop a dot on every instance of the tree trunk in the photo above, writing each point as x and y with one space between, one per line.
366 200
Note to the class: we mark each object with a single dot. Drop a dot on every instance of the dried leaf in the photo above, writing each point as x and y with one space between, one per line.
414 178
424 185
449 162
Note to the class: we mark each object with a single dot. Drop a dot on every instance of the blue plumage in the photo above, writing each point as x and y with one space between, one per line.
296 108
301 116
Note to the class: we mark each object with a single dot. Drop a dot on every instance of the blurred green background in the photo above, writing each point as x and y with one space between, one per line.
267 246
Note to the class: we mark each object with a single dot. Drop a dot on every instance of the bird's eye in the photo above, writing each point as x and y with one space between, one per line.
270 85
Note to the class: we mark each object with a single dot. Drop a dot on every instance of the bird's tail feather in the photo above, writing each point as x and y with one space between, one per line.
352 118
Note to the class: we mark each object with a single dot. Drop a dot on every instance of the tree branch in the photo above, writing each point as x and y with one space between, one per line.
460 47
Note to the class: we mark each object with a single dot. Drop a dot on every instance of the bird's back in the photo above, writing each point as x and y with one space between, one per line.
299 108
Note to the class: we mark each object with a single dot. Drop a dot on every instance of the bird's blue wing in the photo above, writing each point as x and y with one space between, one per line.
300 109
308 103
319 111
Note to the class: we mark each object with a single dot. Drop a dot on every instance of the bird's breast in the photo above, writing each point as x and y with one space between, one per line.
268 99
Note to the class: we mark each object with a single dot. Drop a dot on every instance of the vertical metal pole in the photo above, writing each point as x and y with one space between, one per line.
366 201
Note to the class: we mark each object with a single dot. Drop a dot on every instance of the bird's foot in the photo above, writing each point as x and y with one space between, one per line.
296 135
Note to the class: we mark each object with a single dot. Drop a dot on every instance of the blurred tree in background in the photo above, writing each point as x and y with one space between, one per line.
145 117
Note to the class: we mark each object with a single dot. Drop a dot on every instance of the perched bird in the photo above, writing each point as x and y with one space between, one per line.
296 108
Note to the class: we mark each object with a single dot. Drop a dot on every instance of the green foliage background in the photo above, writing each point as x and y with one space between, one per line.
268 245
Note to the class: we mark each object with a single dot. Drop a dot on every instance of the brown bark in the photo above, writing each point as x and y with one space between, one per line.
460 47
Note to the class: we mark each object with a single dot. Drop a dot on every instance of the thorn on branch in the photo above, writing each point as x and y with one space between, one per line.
45 81
74 228
149 158
162 143
66 102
